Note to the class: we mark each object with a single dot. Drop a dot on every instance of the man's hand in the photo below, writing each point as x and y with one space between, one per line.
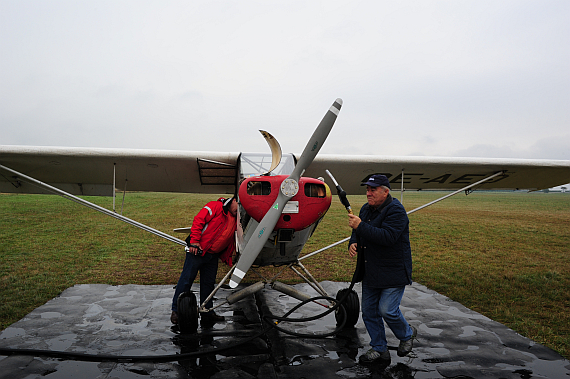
195 249
352 250
353 221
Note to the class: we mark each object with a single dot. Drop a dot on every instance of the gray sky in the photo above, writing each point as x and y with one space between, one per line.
449 78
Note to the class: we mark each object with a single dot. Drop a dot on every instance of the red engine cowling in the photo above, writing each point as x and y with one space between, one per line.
258 193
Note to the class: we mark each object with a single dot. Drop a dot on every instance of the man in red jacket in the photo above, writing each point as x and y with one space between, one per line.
211 238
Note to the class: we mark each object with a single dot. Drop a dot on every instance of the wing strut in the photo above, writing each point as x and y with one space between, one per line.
114 185
402 189
412 211
88 204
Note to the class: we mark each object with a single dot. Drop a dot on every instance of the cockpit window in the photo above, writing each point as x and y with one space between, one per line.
253 164
258 188
315 190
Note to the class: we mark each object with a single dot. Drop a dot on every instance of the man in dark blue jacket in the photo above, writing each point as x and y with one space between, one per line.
381 233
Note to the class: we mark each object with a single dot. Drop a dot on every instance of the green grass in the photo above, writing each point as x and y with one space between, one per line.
505 255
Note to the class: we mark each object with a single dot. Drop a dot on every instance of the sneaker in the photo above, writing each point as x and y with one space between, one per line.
212 317
406 346
372 356
174 318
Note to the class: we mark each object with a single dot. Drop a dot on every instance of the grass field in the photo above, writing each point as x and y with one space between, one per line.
505 255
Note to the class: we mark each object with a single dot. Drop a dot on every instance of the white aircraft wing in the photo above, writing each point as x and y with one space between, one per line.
92 171
433 173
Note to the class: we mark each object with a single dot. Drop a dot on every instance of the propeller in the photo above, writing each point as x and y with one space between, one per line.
288 189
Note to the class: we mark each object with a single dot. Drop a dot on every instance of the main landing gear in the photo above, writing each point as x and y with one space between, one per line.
187 313
351 308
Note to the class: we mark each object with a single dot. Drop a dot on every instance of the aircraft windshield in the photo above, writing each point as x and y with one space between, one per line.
253 164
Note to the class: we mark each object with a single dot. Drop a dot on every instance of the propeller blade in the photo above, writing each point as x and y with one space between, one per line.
257 240
288 189
317 140
275 150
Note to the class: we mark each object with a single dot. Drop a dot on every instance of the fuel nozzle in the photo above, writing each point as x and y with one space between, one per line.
341 193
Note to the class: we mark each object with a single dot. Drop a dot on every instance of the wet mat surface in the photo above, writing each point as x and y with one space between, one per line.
133 320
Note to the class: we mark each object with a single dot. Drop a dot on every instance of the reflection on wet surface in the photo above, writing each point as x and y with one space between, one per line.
453 341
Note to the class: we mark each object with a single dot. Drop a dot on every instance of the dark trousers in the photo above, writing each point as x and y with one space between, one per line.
208 267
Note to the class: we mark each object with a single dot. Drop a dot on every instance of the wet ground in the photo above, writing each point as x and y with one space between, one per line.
132 320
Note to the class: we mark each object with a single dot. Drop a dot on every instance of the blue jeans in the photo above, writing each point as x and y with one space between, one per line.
208 267
379 305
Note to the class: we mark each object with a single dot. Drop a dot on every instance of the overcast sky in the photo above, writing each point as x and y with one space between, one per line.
447 78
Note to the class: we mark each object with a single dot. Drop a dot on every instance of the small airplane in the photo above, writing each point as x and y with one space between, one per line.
282 197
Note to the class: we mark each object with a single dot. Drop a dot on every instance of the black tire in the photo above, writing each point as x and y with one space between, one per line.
187 313
351 306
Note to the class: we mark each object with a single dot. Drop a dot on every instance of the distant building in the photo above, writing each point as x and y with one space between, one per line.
563 188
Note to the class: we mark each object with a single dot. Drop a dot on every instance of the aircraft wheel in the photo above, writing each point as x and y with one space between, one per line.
352 307
187 313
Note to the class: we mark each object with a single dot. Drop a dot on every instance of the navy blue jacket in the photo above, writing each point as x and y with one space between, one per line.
384 239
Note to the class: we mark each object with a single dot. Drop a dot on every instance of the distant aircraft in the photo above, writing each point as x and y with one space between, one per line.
281 202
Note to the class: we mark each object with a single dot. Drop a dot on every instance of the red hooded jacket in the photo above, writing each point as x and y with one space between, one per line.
207 226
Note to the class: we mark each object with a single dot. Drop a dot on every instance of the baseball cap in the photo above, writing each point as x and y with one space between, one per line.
377 180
